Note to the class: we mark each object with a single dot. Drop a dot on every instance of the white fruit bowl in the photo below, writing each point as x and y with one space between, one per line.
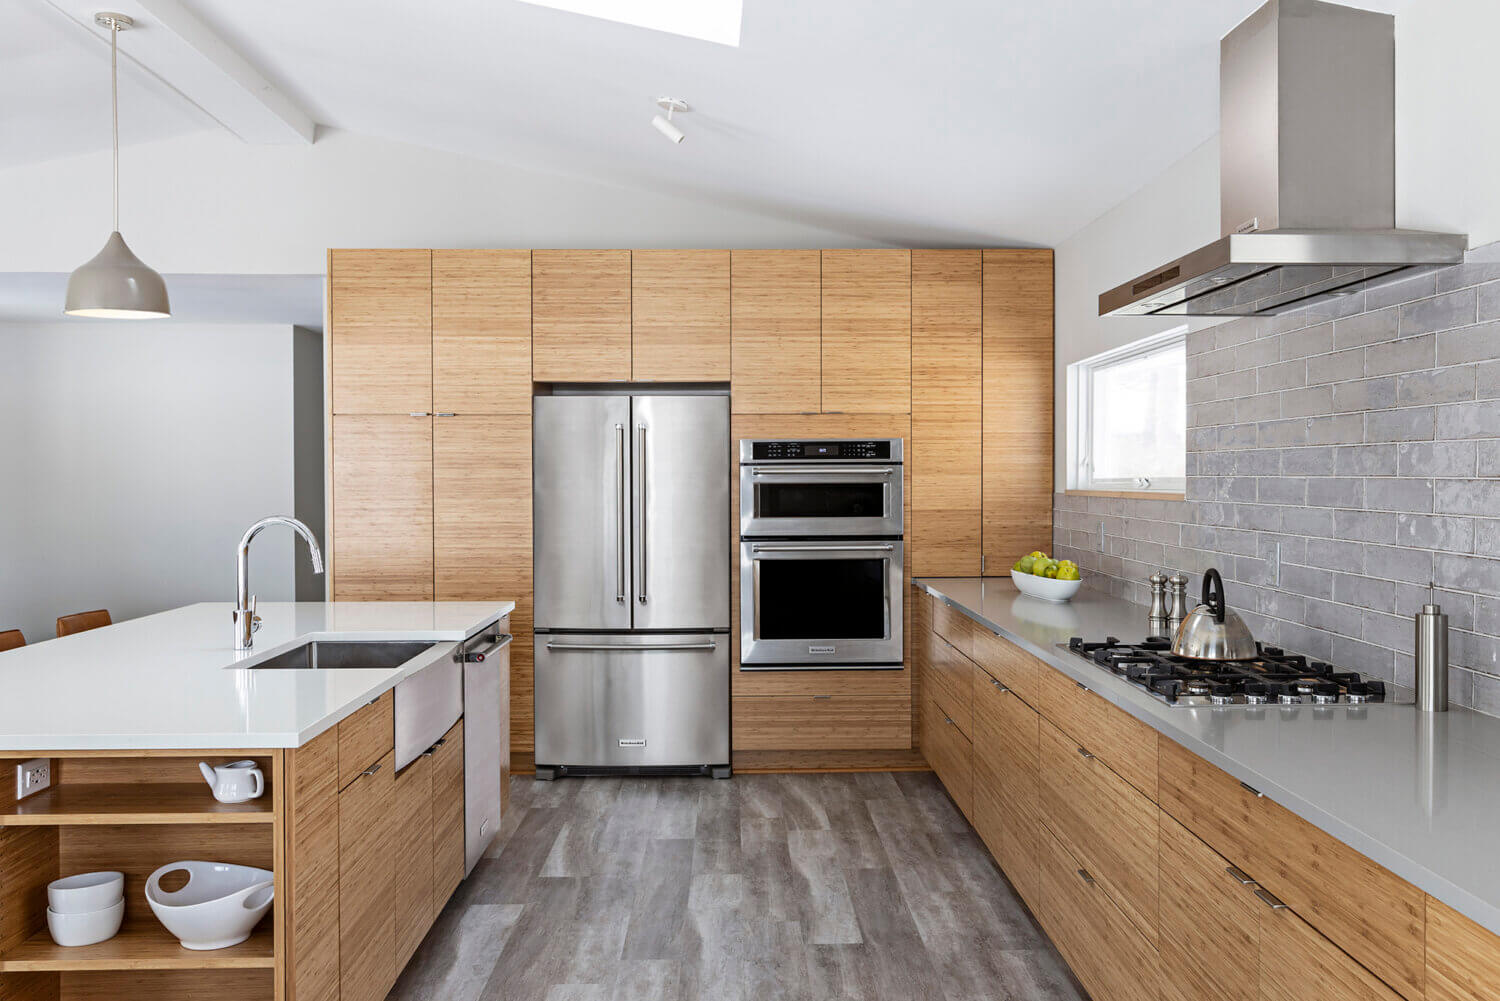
1045 588
219 905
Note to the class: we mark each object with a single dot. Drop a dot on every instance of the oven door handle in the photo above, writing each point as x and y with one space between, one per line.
818 470
869 547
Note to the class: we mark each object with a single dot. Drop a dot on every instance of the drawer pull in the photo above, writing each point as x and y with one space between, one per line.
433 749
1239 876
1080 684
1269 899
1003 689
1252 790
949 721
817 697
1083 874
1086 755
372 769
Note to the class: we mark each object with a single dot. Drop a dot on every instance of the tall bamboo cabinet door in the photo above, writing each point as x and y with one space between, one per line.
482 537
679 305
946 356
867 331
1018 394
380 337
776 331
382 508
413 853
1463 957
367 884
580 315
481 331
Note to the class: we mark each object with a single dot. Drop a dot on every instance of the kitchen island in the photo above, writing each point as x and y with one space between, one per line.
124 714
1360 831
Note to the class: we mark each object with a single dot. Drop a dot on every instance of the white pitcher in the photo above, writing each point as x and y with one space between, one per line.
236 782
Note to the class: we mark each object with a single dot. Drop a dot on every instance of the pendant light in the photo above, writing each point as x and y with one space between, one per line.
116 283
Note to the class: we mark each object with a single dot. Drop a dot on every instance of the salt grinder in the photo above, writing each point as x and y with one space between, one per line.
1158 615
1177 606
1432 659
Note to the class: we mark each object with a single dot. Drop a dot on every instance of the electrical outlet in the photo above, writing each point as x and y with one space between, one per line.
33 776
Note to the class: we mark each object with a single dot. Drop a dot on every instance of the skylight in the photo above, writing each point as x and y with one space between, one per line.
711 20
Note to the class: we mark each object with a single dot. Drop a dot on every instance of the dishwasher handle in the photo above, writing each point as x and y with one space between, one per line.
497 644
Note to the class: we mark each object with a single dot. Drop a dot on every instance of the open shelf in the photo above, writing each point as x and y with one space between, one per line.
133 803
139 946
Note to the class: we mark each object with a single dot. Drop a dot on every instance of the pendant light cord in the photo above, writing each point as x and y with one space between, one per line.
114 112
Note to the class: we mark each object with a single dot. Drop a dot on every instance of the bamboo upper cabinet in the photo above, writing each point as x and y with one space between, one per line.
481 332
380 340
866 342
580 315
1018 394
776 306
679 306
947 292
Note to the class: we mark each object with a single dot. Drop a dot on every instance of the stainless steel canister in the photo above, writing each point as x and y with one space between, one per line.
1432 659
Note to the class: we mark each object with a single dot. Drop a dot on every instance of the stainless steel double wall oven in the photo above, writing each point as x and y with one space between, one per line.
821 554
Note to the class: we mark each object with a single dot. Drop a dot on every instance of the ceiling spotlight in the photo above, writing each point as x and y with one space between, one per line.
664 125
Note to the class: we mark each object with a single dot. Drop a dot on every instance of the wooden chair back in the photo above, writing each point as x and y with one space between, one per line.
80 622
10 639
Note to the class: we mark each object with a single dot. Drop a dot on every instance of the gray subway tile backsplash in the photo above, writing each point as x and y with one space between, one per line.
1343 470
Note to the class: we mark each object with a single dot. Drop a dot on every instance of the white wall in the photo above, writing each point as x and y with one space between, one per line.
134 456
1447 165
208 203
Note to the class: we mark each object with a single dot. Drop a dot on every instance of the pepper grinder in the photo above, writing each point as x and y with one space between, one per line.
1432 659
1158 614
1177 606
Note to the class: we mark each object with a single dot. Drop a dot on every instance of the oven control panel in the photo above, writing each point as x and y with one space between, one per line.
878 449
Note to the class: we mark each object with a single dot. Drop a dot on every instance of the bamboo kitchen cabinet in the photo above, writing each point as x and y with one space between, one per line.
679 306
947 349
866 344
380 331
580 315
481 332
382 507
776 331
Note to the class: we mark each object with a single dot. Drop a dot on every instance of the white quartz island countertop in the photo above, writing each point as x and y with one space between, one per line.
174 680
1417 792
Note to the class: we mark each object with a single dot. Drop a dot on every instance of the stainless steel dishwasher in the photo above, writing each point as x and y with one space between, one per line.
486 659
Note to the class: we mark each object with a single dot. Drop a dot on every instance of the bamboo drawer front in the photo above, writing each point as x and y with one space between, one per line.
365 737
1121 741
821 722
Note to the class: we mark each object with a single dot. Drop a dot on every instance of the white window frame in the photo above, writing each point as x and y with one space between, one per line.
1080 394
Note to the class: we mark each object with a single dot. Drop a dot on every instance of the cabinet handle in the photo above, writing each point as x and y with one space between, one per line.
418 413
949 721
1083 874
1003 689
372 769
433 749
1269 899
1086 755
1252 790
1080 684
822 696
444 413
1239 876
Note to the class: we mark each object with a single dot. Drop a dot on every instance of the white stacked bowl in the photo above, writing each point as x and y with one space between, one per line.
85 909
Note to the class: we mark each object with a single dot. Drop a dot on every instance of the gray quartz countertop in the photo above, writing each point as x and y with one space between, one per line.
1417 792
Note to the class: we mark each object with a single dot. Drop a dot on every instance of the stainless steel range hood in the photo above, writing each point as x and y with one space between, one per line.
1307 177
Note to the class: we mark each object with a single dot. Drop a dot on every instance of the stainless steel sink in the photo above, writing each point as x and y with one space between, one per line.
332 655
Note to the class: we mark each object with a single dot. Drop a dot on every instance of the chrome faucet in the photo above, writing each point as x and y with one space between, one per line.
246 622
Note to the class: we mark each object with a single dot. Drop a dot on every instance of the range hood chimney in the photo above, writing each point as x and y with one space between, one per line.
1307 176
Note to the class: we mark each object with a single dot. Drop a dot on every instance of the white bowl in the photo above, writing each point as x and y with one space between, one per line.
1045 588
218 906
88 891
87 927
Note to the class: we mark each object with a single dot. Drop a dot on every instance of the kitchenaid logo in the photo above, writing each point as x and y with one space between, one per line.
820 649
632 741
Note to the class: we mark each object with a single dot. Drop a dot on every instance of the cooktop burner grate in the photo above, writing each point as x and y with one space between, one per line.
1272 677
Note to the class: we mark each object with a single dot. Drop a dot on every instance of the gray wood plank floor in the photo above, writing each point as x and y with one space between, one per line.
800 887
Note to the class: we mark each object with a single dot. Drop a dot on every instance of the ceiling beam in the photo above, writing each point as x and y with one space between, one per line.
174 45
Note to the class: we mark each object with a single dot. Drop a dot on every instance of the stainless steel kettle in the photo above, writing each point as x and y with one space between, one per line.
1211 631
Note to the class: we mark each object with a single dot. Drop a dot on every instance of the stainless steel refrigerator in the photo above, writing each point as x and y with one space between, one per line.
630 499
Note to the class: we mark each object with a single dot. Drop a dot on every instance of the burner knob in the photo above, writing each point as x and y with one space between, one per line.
1289 699
1255 698
1221 700
1358 698
1324 699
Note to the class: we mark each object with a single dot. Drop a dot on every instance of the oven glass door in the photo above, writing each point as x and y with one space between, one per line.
820 604
818 499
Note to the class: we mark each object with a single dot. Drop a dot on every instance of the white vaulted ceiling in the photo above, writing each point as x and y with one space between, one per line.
964 121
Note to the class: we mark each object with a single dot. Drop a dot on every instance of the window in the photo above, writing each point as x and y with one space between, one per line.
1127 419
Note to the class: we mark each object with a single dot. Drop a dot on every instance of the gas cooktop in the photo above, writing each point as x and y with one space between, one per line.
1272 677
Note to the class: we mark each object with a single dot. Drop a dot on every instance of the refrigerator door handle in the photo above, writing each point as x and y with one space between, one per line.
640 511
622 493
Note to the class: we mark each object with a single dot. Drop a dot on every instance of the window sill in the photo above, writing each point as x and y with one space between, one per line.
1165 495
